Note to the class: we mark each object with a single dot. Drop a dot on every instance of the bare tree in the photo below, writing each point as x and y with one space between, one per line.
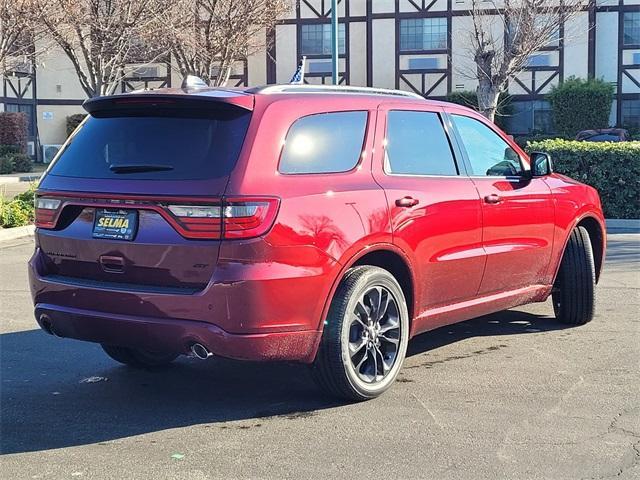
98 36
16 36
207 37
505 33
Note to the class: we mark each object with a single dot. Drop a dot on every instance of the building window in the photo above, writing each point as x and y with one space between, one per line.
632 28
530 117
423 34
631 113
538 60
423 63
316 39
636 58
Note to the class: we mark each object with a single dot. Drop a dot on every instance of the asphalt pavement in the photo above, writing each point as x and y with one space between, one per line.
511 395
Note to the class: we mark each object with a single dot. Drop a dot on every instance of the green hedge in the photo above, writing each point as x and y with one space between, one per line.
612 168
581 105
12 161
19 211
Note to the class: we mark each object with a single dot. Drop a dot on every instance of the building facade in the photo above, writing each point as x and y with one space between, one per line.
415 45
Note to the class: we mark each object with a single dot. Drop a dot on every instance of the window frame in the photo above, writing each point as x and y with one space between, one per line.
628 106
524 164
624 20
370 117
441 115
342 32
404 50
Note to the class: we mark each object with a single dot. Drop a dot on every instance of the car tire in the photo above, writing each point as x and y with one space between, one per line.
139 358
573 292
365 336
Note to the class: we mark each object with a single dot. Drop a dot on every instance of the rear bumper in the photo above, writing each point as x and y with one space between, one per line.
174 335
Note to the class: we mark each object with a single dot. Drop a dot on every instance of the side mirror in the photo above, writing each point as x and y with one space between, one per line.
541 164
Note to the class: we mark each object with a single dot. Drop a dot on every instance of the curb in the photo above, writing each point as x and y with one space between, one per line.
22 178
623 226
16 232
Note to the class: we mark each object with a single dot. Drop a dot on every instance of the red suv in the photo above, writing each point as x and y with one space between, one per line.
321 225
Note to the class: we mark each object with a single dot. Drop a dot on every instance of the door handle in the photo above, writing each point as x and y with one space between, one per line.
407 202
493 198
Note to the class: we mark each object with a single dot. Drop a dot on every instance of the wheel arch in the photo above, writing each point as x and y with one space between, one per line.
596 237
392 259
596 230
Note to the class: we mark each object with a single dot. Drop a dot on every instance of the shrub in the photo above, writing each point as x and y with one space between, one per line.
73 121
13 129
29 196
22 162
6 149
612 168
522 140
18 212
581 105
469 99
15 213
6 164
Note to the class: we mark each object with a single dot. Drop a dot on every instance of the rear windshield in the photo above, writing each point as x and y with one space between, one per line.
603 137
163 146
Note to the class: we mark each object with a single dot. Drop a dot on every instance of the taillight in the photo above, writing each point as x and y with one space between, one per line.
248 218
234 218
46 211
229 218
198 221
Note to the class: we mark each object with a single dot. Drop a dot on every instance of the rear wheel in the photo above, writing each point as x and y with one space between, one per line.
365 336
573 293
139 358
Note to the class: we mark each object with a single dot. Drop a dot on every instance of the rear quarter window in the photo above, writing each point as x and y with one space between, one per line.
163 146
324 143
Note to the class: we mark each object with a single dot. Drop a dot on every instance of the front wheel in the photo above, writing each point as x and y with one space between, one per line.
573 292
365 336
139 358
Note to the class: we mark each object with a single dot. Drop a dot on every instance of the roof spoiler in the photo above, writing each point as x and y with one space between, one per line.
181 100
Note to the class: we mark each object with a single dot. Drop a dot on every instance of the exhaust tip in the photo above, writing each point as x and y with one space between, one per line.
47 326
200 351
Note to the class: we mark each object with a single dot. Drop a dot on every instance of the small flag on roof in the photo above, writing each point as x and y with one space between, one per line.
298 77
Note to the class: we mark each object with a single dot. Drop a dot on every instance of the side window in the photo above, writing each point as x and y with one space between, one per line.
417 145
488 153
324 143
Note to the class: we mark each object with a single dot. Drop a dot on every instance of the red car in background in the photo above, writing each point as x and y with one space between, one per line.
302 223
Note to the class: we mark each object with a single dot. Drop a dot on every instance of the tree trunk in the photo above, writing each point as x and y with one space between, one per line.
487 98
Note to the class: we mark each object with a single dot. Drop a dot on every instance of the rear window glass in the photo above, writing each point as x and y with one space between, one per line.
324 143
603 138
159 147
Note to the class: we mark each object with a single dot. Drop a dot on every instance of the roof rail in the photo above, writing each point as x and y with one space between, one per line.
288 88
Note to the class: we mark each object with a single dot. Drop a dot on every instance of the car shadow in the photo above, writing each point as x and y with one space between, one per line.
57 392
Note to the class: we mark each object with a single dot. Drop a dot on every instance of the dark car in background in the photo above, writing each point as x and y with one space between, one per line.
604 135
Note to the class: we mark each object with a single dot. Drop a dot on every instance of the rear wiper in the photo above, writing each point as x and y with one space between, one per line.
139 168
